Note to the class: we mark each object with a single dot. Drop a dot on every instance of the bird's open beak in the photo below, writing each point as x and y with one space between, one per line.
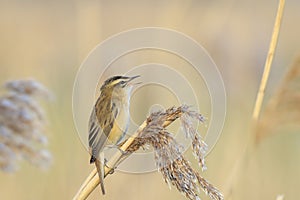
132 78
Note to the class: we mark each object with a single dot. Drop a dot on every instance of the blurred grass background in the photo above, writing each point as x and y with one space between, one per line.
48 40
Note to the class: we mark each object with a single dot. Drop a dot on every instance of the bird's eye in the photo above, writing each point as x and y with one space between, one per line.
122 82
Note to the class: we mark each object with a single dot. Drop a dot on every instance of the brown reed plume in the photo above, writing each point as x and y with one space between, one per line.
283 108
22 125
168 153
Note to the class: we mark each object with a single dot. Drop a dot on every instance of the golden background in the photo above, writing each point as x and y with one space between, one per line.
48 40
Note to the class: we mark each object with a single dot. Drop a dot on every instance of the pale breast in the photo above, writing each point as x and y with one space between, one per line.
120 124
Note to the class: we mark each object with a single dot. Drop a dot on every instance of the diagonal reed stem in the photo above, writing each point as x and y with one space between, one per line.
92 181
260 96
268 63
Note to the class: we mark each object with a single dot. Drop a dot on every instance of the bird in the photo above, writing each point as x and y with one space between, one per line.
109 119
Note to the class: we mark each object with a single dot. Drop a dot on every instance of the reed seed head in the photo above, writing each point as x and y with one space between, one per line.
168 153
22 125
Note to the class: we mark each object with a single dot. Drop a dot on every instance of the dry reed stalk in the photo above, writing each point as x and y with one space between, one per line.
260 96
175 169
268 63
22 125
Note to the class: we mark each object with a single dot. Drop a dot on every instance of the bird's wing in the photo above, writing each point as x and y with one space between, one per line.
98 133
96 136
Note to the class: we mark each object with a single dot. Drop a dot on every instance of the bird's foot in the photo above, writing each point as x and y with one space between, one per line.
124 153
111 169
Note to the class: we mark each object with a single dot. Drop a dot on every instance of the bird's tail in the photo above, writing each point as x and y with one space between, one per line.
100 169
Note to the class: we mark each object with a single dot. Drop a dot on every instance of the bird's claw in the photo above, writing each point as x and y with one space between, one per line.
124 153
111 170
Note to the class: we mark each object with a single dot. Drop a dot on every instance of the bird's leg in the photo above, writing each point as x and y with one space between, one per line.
113 146
124 153
123 156
111 169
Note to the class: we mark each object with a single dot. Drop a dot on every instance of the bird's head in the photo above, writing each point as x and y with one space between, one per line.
118 85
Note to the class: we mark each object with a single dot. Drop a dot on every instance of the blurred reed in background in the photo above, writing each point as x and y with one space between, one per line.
23 125
283 109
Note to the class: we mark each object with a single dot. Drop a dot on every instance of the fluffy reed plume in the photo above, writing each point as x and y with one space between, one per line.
283 108
280 197
22 125
168 153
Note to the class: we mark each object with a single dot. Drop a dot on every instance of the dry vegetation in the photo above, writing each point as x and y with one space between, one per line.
176 170
283 107
22 125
